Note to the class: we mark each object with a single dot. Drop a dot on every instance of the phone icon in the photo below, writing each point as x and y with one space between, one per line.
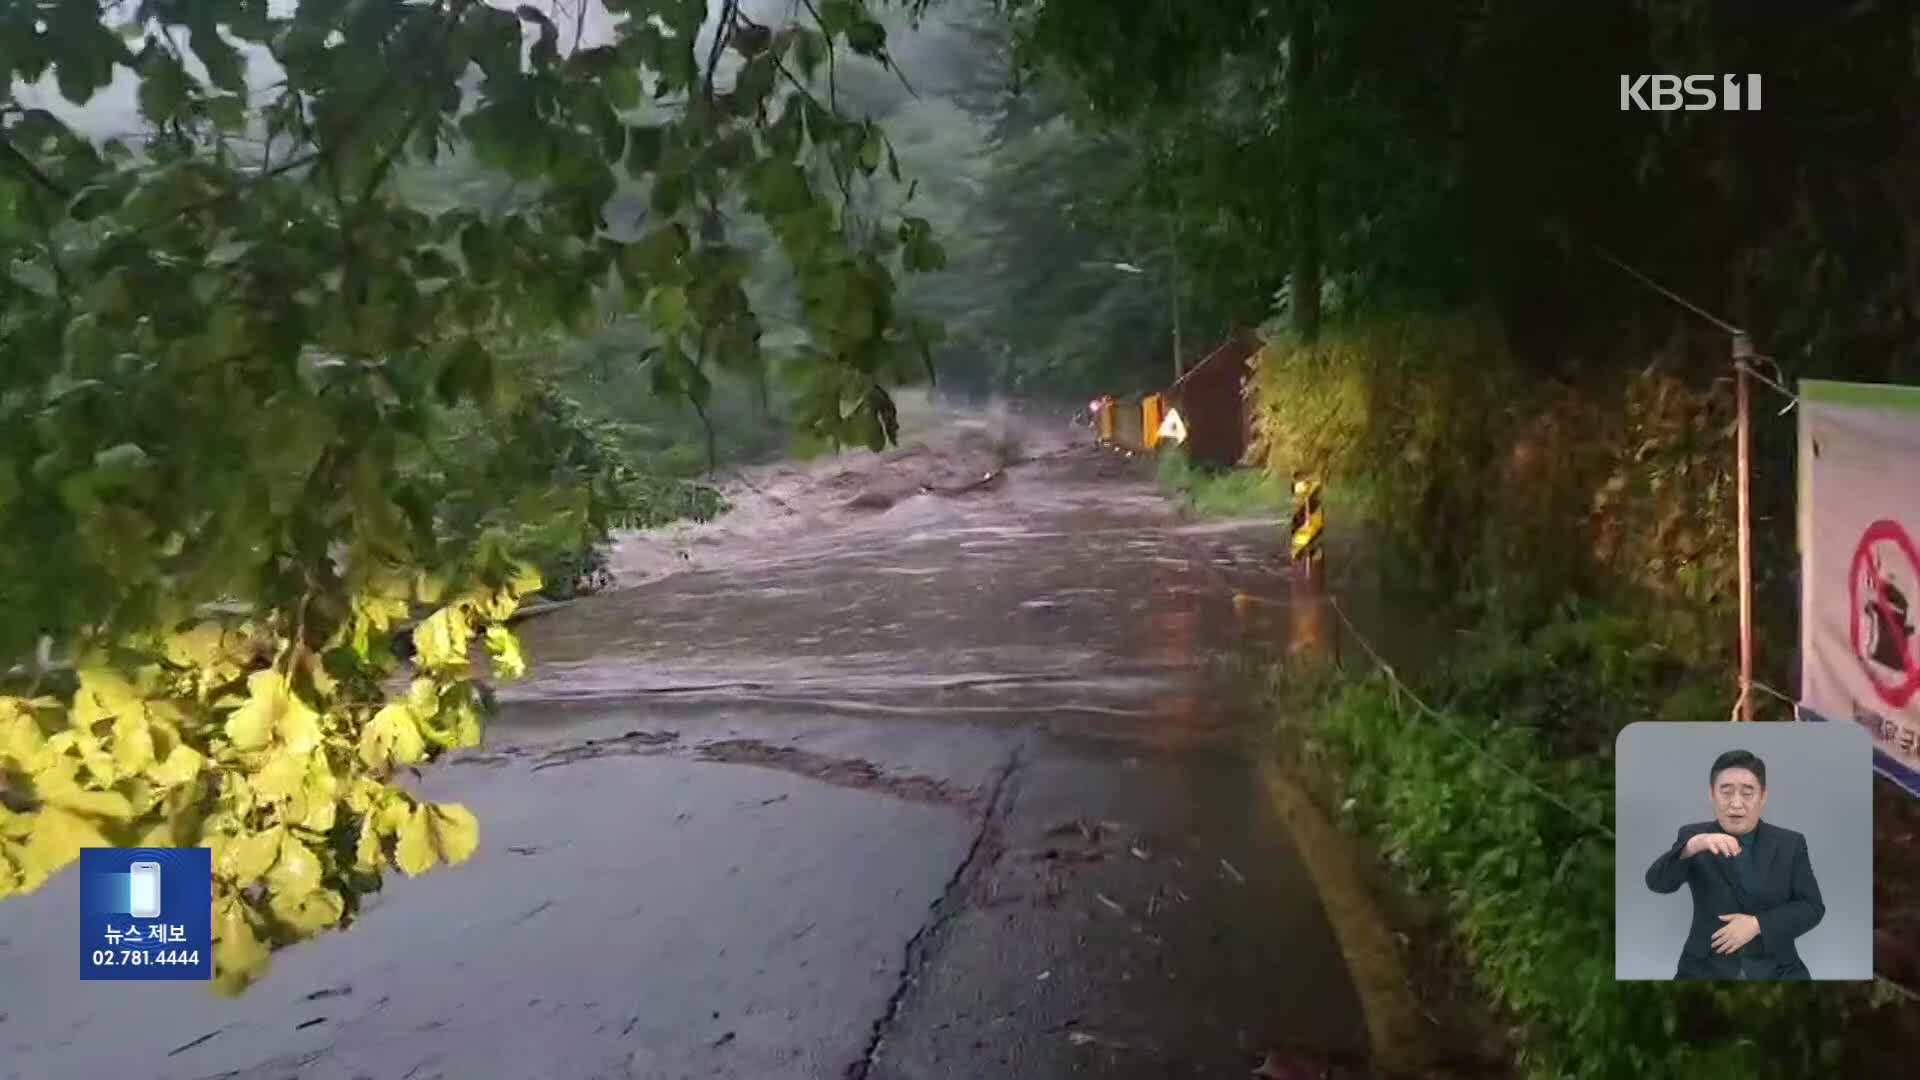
143 890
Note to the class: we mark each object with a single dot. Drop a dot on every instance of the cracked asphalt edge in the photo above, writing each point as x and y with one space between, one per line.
929 941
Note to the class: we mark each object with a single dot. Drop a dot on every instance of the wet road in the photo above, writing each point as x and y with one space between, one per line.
949 788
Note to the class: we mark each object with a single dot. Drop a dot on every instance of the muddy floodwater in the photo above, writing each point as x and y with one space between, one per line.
1061 588
919 764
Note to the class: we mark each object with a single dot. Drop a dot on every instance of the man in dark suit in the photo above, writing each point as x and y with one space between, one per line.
1752 883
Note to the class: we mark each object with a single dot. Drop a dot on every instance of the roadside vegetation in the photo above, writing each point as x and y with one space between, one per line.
1214 492
1474 807
1583 536
1440 243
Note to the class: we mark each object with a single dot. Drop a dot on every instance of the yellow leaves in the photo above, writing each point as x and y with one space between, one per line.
245 859
280 778
413 853
525 579
435 832
302 787
239 956
392 738
143 740
316 805
423 697
111 805
22 742
194 648
250 727
381 612
364 793
456 831
441 641
291 874
496 606
106 700
381 598
464 727
103 695
324 684
384 812
367 853
214 653
181 765
446 720
504 647
296 872
141 754
59 785
55 840
273 710
307 913
132 741
299 726
393 812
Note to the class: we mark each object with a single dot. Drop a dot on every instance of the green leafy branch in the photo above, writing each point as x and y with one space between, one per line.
227 383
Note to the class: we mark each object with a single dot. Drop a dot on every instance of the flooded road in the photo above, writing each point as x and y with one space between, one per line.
917 765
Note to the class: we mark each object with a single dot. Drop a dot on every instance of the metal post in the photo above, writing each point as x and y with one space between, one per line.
1173 289
1742 352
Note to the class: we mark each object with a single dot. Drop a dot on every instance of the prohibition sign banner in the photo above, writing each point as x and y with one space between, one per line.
1881 593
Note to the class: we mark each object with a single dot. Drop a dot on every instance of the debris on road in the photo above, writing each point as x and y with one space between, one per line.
1082 1038
1089 848
1088 829
1235 874
1112 904
1068 855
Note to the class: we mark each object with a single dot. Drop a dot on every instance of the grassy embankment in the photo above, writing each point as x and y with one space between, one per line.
1219 492
1584 533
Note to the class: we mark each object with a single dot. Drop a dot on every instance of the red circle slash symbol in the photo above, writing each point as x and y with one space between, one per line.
1886 650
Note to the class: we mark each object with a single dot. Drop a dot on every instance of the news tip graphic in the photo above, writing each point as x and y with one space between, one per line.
146 913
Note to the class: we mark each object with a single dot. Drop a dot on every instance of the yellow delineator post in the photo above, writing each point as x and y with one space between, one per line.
1106 419
1151 408
1309 518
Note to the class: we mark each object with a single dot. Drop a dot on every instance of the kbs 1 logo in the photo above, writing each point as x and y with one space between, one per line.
1693 93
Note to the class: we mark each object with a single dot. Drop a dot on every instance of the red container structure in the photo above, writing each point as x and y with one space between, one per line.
1212 400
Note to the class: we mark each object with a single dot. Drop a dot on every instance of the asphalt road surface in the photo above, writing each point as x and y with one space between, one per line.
883 782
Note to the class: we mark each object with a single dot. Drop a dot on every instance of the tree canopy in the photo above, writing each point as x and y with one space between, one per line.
232 354
1467 153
